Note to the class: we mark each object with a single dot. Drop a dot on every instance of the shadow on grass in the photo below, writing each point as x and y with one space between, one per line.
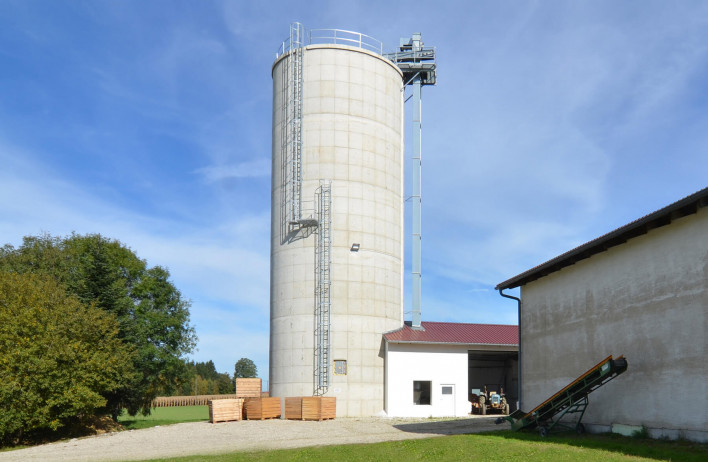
632 446
641 447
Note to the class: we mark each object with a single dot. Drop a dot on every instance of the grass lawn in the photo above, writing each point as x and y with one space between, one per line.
497 446
165 416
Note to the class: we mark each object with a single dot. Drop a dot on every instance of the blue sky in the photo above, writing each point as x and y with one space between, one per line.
552 123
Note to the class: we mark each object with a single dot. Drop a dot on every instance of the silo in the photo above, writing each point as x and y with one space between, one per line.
337 218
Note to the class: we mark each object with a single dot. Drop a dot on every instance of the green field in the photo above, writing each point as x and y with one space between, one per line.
165 416
497 446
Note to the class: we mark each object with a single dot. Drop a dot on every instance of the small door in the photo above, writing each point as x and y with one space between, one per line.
447 400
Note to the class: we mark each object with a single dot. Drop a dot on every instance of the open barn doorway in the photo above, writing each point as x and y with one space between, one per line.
498 371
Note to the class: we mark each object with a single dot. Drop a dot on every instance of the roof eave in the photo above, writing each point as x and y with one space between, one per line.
681 208
413 342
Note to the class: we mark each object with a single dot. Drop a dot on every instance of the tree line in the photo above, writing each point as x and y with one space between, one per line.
87 328
202 378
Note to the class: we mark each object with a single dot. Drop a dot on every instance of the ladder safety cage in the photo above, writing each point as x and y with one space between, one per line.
291 136
323 281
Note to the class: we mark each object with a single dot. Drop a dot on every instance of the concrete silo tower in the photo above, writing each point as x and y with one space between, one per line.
337 217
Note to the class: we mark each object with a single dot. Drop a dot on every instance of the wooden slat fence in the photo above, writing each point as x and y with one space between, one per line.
199 400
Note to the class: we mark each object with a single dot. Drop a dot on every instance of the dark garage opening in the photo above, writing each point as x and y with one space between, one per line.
496 370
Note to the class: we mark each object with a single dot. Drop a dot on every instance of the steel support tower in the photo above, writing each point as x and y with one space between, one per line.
419 68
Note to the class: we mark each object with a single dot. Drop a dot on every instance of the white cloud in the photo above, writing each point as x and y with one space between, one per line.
250 169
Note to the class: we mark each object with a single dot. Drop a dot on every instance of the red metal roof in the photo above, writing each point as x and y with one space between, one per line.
455 332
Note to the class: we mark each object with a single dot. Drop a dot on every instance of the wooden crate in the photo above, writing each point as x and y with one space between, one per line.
311 408
319 408
293 408
225 410
248 388
262 408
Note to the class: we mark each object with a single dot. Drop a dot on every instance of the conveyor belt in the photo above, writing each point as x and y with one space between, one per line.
573 398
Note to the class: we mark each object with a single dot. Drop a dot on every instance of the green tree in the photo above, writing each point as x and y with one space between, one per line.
151 313
58 357
206 378
225 384
245 368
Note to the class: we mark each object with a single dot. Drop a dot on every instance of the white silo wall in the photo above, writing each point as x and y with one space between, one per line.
353 136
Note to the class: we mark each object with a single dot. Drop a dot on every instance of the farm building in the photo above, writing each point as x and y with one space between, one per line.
639 291
430 371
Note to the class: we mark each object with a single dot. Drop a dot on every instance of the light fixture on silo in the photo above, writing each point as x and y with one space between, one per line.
355 247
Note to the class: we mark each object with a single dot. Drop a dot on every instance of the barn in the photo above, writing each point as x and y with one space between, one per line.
641 291
429 371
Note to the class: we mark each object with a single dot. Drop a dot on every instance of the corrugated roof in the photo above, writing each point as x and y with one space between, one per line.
457 333
686 206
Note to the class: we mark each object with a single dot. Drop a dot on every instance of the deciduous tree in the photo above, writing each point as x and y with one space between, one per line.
245 368
59 358
151 313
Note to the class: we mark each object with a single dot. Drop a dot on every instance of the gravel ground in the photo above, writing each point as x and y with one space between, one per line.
204 438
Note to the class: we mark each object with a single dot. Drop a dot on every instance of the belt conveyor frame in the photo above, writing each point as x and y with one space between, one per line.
572 399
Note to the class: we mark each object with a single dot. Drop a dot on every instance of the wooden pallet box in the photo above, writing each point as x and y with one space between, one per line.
293 408
319 408
225 410
248 388
262 408
311 408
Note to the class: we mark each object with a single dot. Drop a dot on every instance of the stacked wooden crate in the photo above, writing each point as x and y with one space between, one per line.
225 410
311 408
262 408
248 388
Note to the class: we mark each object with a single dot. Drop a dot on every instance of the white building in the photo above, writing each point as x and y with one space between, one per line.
430 371
640 291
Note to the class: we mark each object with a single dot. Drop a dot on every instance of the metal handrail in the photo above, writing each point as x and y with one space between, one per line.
332 36
346 37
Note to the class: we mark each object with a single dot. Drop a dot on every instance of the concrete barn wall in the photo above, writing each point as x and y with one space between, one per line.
353 136
646 299
440 364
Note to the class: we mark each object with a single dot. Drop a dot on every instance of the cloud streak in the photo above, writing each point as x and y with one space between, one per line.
250 169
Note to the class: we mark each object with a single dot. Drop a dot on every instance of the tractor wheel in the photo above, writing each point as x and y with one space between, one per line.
580 429
506 409
543 431
483 408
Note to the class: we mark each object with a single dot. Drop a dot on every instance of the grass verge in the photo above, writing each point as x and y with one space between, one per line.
497 446
165 416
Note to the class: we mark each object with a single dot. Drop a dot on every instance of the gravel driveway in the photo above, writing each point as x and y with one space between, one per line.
205 438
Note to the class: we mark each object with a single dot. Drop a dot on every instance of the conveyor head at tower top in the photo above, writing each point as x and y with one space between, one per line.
413 59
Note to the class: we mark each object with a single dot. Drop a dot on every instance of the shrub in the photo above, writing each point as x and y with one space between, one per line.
58 357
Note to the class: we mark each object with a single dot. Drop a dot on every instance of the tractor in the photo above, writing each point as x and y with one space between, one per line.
484 401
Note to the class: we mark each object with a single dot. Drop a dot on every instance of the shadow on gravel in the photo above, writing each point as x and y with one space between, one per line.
449 427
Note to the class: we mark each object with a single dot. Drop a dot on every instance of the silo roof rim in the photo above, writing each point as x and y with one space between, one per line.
340 47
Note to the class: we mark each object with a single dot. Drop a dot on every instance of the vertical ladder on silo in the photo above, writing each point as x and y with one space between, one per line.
323 261
291 144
